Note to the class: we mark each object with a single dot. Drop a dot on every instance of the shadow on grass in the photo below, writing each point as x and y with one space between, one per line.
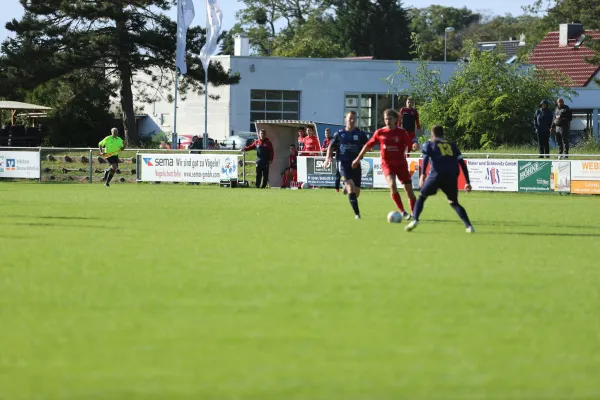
477 223
46 224
553 234
47 217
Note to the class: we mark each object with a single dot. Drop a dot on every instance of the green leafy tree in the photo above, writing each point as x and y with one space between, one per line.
313 38
486 103
259 20
378 28
123 38
430 24
80 103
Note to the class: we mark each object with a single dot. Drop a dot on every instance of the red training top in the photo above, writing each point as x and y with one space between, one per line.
264 150
311 143
393 144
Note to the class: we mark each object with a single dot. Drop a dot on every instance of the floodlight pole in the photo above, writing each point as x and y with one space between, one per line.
448 29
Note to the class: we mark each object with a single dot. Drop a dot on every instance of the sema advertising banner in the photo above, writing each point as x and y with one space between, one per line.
20 164
494 174
585 177
203 168
534 176
560 178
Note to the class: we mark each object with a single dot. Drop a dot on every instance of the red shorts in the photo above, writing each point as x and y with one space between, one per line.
401 172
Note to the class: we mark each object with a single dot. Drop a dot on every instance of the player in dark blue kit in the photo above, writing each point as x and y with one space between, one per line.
348 143
445 159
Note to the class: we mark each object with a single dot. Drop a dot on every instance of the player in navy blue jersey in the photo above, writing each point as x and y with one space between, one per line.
348 143
445 158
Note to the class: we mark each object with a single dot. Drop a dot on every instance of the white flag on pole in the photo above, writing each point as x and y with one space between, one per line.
213 30
185 16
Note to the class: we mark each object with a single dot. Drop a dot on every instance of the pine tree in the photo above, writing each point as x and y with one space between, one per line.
122 37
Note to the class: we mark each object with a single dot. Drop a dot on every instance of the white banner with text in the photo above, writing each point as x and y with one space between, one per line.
201 168
20 164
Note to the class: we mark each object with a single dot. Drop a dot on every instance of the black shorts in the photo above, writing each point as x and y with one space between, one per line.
447 184
113 160
348 173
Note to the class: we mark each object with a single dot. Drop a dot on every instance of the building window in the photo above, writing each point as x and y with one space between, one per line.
369 108
273 104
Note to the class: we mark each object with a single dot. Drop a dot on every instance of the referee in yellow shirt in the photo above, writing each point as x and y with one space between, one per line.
110 147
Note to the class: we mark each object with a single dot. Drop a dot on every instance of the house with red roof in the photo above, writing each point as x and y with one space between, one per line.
565 50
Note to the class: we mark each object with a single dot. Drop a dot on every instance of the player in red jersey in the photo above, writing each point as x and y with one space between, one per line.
409 120
393 142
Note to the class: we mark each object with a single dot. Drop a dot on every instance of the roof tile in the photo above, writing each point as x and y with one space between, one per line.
566 59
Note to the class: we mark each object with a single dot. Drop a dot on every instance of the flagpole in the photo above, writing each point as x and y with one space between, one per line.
174 135
205 146
175 146
206 109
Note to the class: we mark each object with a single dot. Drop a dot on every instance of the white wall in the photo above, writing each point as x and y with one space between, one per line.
585 98
190 112
322 83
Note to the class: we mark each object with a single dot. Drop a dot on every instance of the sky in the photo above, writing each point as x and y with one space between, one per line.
13 9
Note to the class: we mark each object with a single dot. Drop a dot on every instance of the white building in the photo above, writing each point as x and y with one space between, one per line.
309 89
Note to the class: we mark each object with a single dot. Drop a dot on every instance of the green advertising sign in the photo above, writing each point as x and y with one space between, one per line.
534 176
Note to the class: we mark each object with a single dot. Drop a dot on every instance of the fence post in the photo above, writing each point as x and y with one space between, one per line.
244 167
91 168
40 164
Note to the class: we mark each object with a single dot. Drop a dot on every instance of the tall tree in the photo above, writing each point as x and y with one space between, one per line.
314 38
80 103
353 25
124 38
486 103
260 19
378 28
430 24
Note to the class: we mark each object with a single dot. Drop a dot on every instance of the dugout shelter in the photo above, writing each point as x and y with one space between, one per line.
282 134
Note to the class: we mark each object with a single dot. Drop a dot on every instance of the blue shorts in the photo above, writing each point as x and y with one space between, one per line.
349 173
448 185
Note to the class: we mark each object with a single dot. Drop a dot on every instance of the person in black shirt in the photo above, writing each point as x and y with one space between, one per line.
349 142
445 160
542 121
562 123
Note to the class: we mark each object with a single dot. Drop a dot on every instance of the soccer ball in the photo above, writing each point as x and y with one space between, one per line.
394 217
305 186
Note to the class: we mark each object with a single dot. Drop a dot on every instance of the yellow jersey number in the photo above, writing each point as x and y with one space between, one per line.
445 149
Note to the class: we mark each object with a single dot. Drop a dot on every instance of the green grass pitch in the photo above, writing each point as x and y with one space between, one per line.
188 292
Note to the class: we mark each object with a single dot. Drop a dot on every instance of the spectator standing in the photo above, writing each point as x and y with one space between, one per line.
409 120
327 140
542 121
264 157
195 145
301 137
562 123
311 142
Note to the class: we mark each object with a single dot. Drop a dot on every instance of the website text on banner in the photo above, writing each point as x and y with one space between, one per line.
202 168
585 177
20 164
534 176
560 178
494 175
